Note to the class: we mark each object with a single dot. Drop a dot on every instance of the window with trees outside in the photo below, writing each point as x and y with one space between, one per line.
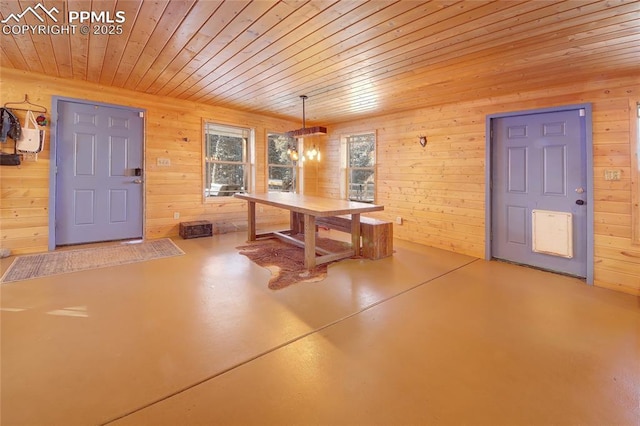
635 171
282 169
226 153
361 161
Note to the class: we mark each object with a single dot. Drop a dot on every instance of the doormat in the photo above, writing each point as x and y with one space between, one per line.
61 262
286 261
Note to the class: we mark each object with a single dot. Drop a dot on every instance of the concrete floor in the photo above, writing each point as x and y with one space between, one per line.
424 337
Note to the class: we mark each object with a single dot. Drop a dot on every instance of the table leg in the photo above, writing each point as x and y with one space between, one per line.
251 221
355 233
309 241
294 223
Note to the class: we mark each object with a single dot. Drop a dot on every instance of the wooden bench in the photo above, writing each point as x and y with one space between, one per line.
377 235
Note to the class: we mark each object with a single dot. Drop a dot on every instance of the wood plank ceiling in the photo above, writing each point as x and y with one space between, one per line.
352 58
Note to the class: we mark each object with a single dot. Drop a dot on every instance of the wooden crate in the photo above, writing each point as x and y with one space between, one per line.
196 229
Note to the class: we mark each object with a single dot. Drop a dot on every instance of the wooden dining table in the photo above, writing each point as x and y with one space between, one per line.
308 208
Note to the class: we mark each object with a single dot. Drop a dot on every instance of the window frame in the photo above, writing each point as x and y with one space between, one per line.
634 137
349 169
293 164
247 159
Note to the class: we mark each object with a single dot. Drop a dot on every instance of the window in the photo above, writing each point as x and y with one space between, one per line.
226 159
282 170
634 133
361 160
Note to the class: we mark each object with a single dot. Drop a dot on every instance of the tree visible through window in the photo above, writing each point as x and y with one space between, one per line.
282 169
635 171
361 159
226 160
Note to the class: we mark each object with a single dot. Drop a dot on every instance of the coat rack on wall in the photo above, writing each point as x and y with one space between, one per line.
26 103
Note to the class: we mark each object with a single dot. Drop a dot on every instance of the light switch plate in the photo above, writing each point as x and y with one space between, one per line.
612 175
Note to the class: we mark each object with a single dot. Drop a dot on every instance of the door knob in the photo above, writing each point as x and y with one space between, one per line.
138 181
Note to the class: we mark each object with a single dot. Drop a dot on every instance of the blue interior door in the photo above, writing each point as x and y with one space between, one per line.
539 162
98 195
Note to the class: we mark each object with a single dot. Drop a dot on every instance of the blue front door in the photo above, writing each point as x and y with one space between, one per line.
98 157
539 164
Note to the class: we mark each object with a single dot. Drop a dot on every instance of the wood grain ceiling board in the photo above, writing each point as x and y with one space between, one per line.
352 58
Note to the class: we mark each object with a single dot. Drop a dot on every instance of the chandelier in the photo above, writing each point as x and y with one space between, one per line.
310 154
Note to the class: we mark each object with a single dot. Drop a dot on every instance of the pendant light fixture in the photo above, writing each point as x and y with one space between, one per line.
306 131
310 154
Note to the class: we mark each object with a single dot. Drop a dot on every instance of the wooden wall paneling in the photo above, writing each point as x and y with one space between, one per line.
360 40
177 188
60 46
78 45
243 14
307 42
25 52
468 59
351 58
10 56
462 84
439 189
170 19
634 125
5 60
42 48
150 13
186 34
116 45
96 45
297 34
400 36
280 27
166 79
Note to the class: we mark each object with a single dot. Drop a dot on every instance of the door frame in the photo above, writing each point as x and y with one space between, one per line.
588 123
53 158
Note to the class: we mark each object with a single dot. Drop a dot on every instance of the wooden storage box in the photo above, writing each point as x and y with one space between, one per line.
196 229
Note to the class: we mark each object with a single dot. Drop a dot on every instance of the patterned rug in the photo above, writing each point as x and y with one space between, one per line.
61 262
286 261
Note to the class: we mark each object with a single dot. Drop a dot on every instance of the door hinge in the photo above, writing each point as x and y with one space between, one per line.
141 114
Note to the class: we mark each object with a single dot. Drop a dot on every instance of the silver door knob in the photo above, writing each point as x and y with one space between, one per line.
138 181
580 190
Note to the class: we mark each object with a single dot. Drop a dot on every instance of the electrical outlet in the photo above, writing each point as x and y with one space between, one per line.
164 162
176 215
399 220
260 209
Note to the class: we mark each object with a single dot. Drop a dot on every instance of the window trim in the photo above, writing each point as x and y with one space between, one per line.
294 164
634 136
248 160
345 152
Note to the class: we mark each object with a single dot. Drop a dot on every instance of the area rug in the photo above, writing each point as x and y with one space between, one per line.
286 261
60 262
